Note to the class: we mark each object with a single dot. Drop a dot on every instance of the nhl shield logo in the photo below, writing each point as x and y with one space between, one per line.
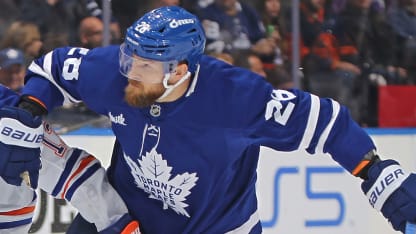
155 110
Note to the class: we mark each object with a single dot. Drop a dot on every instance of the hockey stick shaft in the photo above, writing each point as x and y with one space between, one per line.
410 228
64 130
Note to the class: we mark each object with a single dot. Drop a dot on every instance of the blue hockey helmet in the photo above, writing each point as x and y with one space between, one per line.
167 34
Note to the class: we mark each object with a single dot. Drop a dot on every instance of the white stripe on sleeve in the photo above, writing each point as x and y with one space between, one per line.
47 74
324 136
312 122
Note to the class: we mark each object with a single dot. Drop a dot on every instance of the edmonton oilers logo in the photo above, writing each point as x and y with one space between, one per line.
155 110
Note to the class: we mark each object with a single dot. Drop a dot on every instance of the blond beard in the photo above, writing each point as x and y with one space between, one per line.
138 96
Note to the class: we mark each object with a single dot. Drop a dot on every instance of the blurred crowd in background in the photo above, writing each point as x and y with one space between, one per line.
348 48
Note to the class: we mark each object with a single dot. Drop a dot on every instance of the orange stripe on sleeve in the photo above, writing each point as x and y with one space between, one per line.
84 164
22 211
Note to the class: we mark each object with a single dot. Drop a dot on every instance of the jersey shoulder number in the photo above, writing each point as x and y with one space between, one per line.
72 63
279 107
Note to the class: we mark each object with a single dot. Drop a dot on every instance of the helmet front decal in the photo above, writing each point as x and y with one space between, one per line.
142 27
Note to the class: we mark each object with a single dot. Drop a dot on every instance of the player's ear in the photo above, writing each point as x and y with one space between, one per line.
181 70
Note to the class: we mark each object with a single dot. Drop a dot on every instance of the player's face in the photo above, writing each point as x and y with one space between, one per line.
140 94
140 69
145 70
145 82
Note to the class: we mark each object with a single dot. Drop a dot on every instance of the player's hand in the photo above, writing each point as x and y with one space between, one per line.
392 191
125 225
20 140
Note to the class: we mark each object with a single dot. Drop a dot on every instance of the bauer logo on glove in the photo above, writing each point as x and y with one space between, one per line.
21 137
390 179
391 190
13 133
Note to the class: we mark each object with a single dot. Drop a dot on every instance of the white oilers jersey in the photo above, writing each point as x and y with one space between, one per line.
189 166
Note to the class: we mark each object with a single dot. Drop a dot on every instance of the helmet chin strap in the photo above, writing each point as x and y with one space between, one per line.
170 88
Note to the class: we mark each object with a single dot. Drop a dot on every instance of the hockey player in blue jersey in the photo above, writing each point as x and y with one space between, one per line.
188 129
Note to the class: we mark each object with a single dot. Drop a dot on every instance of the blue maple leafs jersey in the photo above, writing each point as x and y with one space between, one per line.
189 166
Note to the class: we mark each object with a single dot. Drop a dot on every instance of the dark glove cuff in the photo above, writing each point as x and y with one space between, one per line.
32 106
370 159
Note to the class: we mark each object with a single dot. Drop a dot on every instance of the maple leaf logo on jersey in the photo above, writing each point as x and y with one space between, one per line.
152 174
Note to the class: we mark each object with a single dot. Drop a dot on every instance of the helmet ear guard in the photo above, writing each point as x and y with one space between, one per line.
167 34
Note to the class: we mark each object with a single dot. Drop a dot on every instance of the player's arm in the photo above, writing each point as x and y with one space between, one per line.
294 120
324 126
20 141
52 80
387 186
78 177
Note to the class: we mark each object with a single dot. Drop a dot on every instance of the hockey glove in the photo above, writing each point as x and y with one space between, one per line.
20 140
392 191
125 225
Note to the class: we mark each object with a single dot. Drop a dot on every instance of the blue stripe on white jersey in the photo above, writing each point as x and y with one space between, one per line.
85 175
17 218
73 159
14 224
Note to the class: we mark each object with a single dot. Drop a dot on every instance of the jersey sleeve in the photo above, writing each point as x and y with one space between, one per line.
296 120
17 207
78 177
53 78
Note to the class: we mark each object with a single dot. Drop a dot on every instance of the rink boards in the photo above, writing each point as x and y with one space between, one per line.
297 193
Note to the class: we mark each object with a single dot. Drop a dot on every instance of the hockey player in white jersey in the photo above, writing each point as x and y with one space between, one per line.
188 129
66 173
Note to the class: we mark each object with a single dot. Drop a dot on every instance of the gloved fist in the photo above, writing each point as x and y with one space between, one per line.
20 140
393 192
